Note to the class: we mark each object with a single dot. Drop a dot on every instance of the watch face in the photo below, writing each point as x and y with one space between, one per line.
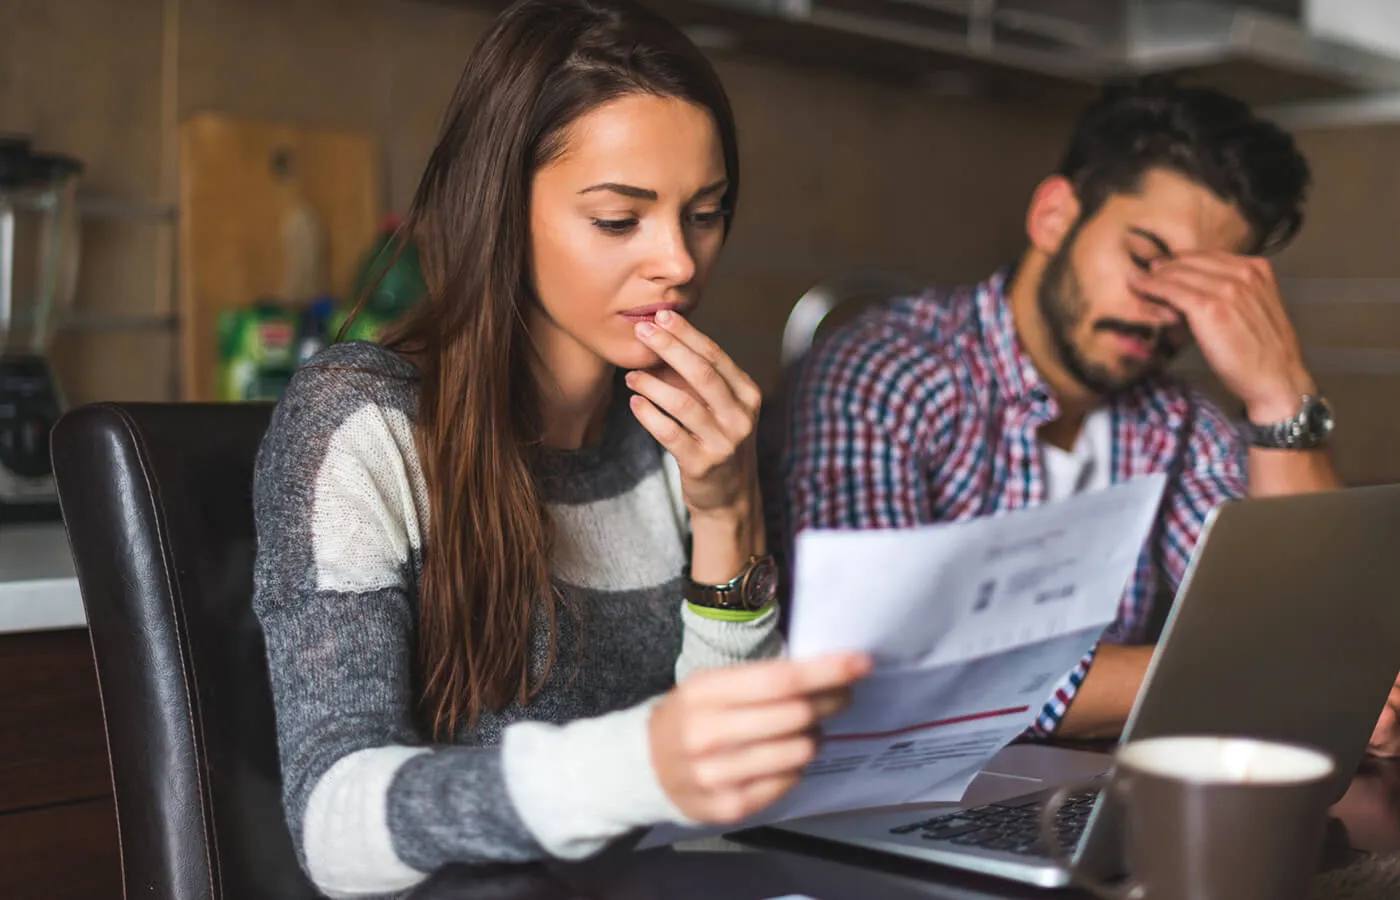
1319 420
761 585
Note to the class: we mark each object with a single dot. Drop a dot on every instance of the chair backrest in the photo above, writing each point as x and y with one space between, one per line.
843 295
828 303
157 499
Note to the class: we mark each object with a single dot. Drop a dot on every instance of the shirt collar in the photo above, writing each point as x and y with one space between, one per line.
1019 376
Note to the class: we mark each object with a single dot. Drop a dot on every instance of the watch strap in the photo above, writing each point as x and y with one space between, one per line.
1310 427
728 597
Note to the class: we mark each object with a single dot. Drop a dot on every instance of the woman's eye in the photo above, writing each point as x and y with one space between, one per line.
1141 262
708 218
615 226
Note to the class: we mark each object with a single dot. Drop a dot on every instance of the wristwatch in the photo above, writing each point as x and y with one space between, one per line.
1310 427
751 590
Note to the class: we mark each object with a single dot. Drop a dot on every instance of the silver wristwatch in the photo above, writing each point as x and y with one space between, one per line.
751 590
1310 427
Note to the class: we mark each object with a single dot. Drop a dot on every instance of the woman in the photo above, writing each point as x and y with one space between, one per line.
473 543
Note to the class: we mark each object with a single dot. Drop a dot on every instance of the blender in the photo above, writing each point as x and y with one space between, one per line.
38 275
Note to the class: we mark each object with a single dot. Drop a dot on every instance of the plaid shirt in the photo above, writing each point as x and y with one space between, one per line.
926 409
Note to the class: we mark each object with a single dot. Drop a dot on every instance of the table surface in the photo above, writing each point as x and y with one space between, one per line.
1363 833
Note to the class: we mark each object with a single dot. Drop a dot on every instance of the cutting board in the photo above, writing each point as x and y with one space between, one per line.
241 180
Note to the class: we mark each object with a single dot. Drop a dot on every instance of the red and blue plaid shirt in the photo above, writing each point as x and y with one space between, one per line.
926 409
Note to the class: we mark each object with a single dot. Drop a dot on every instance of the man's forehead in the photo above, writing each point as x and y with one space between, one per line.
1184 214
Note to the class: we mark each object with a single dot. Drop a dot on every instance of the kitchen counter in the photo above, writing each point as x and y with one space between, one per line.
38 586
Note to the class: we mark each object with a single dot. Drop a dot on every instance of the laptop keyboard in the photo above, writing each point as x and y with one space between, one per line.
1011 829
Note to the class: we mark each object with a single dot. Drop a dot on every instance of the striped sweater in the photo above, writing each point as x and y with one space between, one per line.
341 510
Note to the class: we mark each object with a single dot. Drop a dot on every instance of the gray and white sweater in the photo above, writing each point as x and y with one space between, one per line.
341 511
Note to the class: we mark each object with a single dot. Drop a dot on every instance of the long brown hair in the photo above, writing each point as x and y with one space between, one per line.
540 65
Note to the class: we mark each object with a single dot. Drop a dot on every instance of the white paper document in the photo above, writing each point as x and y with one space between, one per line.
972 625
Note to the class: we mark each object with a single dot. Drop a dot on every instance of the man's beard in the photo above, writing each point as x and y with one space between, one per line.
1063 307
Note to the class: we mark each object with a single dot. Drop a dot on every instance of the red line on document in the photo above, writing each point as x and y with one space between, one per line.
937 723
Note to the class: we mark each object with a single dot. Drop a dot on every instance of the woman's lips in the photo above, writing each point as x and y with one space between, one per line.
648 313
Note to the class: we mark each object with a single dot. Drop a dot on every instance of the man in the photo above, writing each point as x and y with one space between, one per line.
1047 380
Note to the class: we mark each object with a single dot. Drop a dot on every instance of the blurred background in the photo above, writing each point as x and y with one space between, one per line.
193 193
233 167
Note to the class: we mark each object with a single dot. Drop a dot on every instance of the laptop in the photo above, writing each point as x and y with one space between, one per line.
1286 627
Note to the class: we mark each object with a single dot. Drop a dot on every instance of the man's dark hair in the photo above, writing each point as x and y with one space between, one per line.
1210 137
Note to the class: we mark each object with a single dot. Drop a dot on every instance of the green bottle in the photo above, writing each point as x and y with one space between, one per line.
401 286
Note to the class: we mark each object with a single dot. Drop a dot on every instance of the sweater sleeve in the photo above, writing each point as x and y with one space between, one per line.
371 806
709 643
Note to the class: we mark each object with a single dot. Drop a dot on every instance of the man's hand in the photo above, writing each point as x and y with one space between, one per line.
1103 702
1235 312
1385 740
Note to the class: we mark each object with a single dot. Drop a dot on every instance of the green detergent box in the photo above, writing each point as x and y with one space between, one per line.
257 352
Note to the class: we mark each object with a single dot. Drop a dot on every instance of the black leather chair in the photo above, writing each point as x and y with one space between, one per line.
157 501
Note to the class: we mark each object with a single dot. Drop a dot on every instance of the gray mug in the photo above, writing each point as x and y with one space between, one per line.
1210 818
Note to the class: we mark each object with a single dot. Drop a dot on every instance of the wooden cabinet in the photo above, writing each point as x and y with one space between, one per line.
63 852
58 829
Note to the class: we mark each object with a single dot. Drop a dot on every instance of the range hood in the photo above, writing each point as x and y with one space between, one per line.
1268 51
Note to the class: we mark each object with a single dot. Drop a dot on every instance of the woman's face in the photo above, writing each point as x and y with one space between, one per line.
626 222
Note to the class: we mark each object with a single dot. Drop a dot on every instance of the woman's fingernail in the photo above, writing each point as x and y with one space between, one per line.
646 329
630 378
664 317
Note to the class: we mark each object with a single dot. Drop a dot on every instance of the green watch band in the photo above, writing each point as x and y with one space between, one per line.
727 615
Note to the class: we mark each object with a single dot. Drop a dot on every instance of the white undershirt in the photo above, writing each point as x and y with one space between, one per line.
1086 467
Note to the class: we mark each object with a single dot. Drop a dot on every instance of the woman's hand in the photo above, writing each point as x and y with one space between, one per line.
712 407
703 409
728 742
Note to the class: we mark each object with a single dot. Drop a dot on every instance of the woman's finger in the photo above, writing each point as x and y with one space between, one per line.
668 432
681 404
781 756
736 422
766 681
727 729
698 372
739 381
742 801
